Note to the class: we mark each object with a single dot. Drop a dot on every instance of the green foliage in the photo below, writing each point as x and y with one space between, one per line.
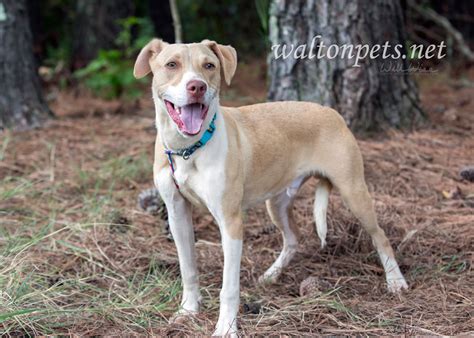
57 17
110 74
59 54
131 44
264 16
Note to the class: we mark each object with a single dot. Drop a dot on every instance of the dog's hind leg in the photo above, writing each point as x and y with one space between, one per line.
280 209
323 188
358 199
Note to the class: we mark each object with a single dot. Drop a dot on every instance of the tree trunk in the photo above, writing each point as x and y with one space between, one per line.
367 97
96 27
21 103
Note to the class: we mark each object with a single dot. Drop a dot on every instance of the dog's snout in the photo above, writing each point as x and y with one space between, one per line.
196 88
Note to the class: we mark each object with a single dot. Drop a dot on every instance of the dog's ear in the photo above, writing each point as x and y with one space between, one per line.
142 64
227 57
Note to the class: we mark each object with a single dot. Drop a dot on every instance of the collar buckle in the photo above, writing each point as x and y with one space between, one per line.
186 154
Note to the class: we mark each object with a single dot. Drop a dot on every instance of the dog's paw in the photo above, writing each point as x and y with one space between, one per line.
268 279
396 285
226 328
181 316
227 335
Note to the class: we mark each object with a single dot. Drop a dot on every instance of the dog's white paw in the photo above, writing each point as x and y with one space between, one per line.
181 316
218 333
189 307
226 328
396 285
268 278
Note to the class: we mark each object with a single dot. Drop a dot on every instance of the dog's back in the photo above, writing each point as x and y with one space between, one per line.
287 116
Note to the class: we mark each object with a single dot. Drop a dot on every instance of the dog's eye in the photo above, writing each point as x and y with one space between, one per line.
209 66
171 65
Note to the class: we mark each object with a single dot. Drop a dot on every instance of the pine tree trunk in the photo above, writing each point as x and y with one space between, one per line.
366 97
21 103
96 27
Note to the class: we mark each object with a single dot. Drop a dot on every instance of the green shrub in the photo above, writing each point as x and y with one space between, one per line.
110 74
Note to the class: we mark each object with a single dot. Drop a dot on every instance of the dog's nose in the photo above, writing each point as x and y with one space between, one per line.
196 88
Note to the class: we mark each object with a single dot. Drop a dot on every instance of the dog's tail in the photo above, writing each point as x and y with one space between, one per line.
323 188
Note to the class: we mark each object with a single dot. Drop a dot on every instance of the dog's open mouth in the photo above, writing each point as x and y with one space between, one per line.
188 118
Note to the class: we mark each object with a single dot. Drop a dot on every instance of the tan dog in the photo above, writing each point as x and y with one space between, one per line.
262 152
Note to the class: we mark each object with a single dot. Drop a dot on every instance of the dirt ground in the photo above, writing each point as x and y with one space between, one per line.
79 257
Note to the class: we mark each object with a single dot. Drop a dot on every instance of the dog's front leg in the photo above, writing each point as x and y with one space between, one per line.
181 226
231 237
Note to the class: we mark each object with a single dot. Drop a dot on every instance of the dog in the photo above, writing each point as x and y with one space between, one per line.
228 159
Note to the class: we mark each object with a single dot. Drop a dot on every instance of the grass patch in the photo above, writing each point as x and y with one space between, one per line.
58 265
40 296
14 187
117 170
453 264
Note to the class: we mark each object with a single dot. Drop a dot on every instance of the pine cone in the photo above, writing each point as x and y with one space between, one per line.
150 201
314 286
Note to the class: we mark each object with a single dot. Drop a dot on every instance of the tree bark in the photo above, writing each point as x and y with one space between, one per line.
96 27
368 98
21 103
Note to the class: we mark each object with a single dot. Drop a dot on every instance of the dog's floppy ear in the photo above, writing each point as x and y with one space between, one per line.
142 64
227 57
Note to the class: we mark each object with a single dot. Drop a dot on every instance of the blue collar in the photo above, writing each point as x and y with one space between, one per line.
185 153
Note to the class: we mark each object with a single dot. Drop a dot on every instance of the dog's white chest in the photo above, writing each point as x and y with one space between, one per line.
181 176
199 181
191 181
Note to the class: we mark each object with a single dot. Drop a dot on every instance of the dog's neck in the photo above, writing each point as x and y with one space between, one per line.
171 138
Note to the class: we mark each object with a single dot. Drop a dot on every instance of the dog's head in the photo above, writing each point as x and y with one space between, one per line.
186 79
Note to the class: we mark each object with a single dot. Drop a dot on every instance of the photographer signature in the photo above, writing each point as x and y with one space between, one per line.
397 67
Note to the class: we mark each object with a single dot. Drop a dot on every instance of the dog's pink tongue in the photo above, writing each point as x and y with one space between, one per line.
192 118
